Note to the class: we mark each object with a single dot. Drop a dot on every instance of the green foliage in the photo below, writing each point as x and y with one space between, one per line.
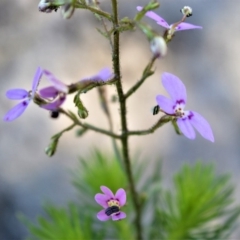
62 224
199 206
98 170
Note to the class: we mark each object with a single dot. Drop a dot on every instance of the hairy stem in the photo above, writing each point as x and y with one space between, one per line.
158 124
89 126
123 112
146 73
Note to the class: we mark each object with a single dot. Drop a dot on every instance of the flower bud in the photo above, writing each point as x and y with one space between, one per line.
158 46
67 10
44 6
52 147
83 113
187 11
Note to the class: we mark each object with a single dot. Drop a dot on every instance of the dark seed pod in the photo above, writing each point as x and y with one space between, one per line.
54 114
156 110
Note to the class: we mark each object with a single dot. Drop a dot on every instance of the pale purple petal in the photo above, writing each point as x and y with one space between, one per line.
102 216
102 199
61 87
118 216
36 80
17 93
16 111
174 87
121 196
105 74
155 17
202 126
186 128
186 26
107 192
55 104
48 92
165 104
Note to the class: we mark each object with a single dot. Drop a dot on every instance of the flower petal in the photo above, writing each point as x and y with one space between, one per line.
107 191
202 126
121 196
48 92
155 17
56 104
186 128
118 216
102 216
174 87
61 87
186 26
165 104
102 199
105 74
17 93
16 111
36 80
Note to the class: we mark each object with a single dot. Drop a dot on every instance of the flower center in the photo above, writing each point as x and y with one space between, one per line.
179 112
113 208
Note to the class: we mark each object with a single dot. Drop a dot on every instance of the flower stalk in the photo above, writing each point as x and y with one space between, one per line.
124 136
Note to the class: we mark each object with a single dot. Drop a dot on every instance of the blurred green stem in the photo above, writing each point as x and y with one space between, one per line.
123 112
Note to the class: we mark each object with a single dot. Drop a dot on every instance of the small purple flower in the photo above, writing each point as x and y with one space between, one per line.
22 94
102 76
57 92
160 21
186 120
111 204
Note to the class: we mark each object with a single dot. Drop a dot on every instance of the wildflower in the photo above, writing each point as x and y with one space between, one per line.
111 204
186 120
173 27
57 92
22 94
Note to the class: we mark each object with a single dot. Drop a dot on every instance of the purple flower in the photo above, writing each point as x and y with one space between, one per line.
111 204
102 76
57 92
160 21
186 120
22 94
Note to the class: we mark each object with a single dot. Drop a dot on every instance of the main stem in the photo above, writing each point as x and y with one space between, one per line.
123 112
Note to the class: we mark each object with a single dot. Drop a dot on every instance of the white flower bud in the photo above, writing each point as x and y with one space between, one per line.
44 6
158 46
187 11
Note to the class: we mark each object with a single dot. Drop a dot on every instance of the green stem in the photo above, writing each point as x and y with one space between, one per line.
146 73
89 126
94 10
123 112
158 124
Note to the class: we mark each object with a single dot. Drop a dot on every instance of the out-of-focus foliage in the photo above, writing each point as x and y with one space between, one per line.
196 208
99 169
61 223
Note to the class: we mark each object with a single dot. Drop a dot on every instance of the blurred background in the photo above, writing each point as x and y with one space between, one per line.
206 60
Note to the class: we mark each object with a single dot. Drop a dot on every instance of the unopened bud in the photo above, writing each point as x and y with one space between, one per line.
46 6
158 46
187 11
83 113
67 10
52 147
